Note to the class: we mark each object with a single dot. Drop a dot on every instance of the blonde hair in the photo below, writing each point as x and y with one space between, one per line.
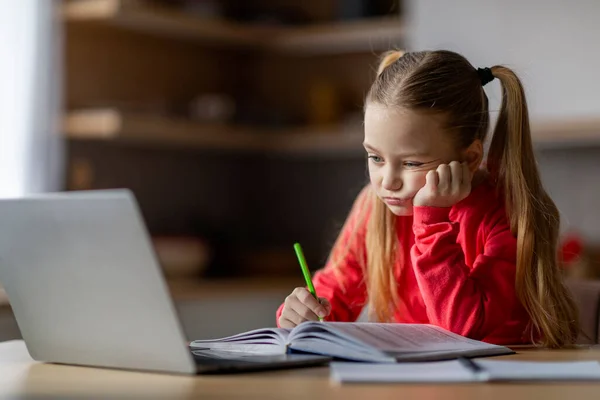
445 82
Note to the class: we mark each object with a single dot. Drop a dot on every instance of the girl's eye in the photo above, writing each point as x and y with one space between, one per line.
375 159
409 164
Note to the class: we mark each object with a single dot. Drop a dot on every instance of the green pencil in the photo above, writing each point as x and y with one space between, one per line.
305 271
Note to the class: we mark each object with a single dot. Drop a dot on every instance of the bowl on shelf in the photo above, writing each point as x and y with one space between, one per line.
182 256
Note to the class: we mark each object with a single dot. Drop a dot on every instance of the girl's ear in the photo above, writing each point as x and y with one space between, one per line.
473 155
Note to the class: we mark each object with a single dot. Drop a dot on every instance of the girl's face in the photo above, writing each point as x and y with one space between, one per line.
402 145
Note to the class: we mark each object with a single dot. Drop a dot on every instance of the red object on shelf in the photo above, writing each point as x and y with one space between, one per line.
571 250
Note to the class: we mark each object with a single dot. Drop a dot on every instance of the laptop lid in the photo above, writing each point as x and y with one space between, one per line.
85 285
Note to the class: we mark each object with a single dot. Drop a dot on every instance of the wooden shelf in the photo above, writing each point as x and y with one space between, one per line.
149 130
374 34
566 133
155 20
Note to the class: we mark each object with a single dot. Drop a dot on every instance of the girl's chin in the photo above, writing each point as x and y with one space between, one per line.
401 211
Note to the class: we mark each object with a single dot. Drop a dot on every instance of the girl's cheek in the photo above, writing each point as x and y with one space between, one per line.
373 176
417 180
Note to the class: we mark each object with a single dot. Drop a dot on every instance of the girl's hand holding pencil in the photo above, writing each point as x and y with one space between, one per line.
303 304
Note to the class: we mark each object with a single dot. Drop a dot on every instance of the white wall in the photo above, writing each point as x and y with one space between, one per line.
552 44
30 144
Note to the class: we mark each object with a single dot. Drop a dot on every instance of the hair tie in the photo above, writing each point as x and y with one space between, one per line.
485 75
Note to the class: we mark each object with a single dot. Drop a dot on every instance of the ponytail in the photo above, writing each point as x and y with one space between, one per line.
533 217
388 59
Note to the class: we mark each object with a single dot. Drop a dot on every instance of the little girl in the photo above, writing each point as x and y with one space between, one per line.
436 238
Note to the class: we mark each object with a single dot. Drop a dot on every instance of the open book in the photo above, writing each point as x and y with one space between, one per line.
356 341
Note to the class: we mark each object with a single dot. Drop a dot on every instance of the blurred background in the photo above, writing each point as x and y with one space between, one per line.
238 124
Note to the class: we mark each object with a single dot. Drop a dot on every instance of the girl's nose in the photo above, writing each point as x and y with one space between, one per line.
391 180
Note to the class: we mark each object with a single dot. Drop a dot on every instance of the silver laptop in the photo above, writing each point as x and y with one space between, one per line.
86 289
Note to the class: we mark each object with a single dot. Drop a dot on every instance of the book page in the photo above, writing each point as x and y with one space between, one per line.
404 337
252 341
233 349
324 345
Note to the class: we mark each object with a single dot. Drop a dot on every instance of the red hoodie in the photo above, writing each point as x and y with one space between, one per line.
459 272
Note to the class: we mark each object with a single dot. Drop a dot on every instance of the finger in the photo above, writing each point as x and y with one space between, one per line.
456 172
285 323
302 310
309 301
445 179
294 316
326 304
432 180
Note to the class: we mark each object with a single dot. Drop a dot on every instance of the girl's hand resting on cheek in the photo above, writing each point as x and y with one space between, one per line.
301 306
445 186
